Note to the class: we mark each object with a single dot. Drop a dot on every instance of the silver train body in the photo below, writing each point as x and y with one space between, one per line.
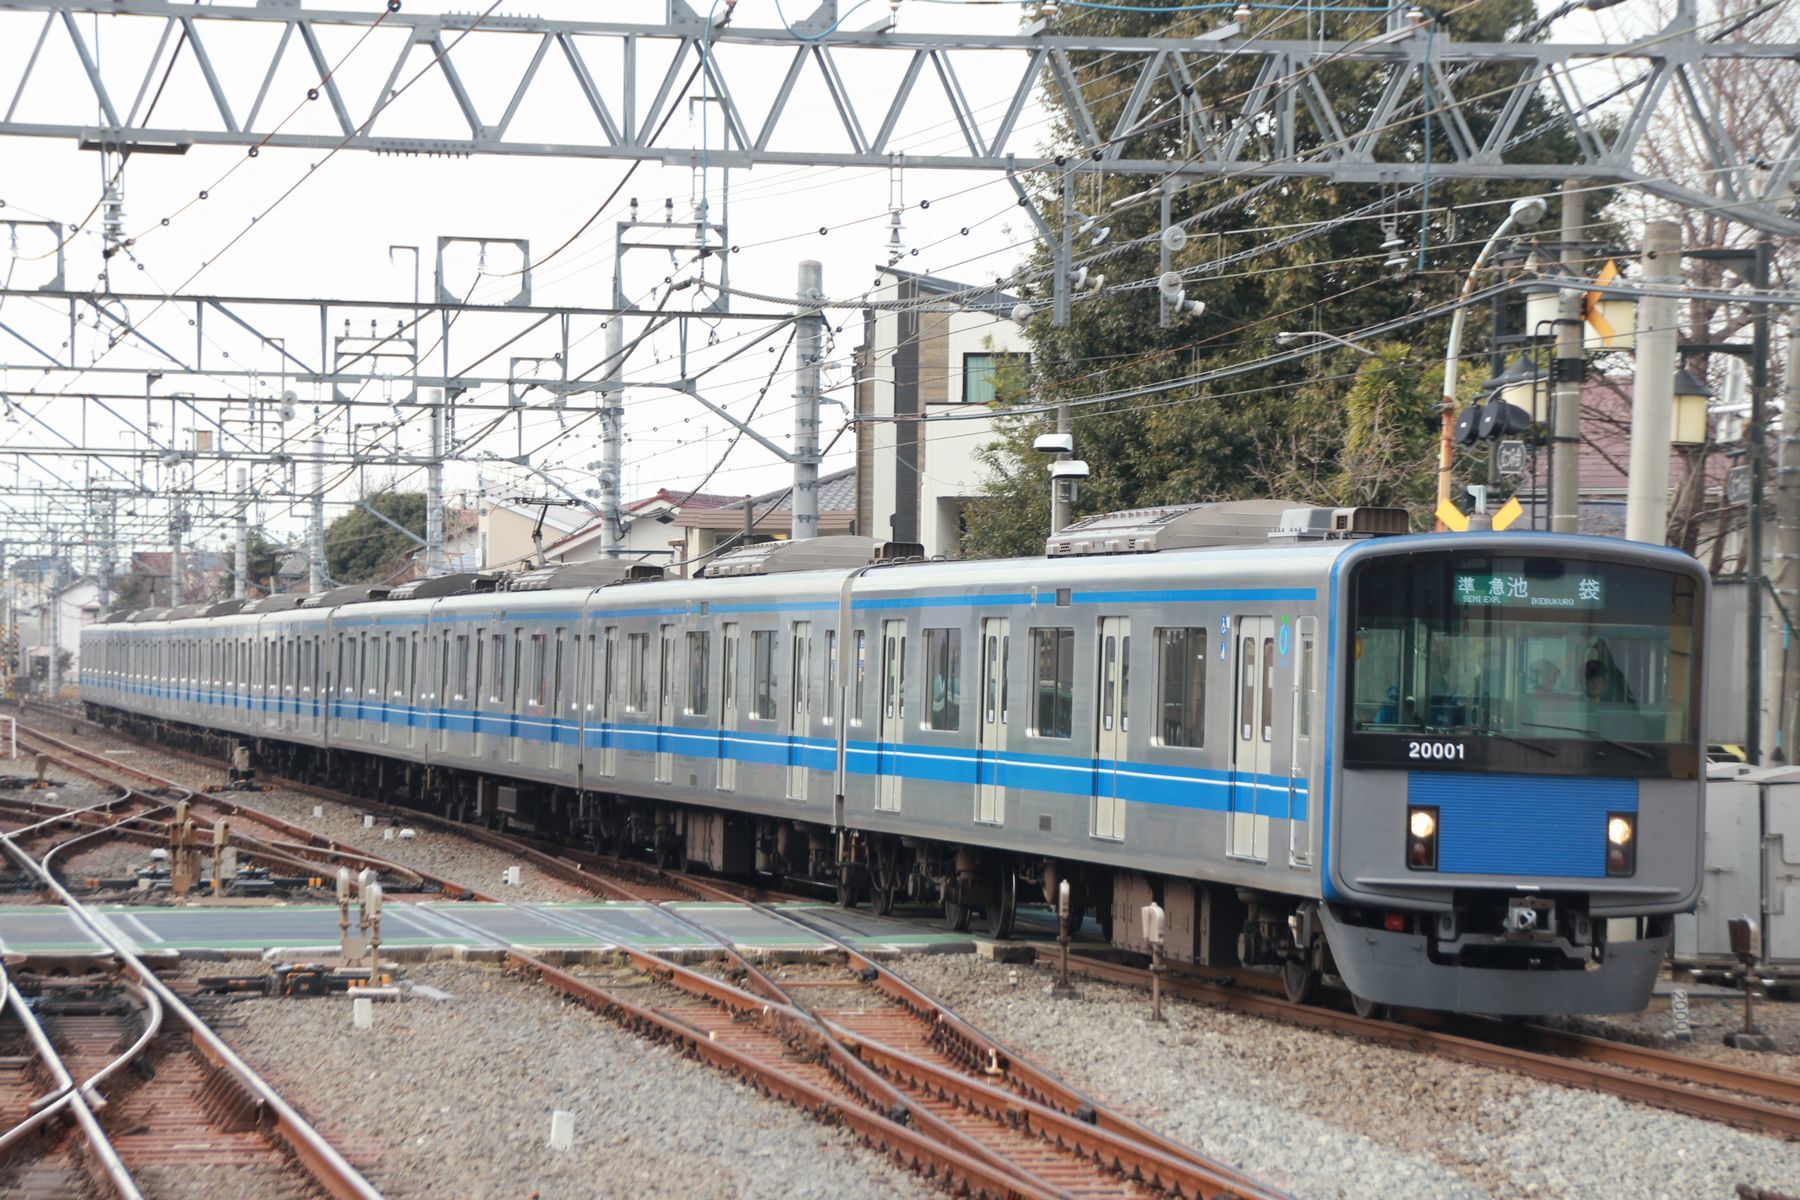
1219 729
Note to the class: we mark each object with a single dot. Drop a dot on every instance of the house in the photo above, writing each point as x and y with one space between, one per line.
705 530
504 529
939 354
462 547
651 532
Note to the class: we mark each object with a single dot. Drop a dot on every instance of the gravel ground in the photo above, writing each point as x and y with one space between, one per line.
1710 1018
459 1095
443 854
1326 1116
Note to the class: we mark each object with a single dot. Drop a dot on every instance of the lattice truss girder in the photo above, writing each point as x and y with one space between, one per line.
179 75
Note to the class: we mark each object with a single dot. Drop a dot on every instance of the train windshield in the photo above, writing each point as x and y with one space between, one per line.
1537 664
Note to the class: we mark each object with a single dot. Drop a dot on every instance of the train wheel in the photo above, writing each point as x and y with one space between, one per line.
958 915
1368 1010
1002 906
1298 977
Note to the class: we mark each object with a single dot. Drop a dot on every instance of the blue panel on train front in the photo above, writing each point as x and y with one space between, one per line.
1521 824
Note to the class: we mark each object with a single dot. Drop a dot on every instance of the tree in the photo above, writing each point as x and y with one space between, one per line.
1171 415
362 548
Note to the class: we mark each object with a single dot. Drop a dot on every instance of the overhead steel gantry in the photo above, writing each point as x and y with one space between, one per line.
626 79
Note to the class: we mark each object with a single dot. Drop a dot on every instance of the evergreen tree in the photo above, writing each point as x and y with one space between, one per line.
1237 436
362 548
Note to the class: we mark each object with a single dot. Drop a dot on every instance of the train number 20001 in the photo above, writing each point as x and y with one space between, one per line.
1434 750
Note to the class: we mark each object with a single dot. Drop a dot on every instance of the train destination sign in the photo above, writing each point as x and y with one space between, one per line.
1522 591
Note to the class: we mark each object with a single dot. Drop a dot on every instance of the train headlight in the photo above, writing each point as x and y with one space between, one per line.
1422 839
1621 843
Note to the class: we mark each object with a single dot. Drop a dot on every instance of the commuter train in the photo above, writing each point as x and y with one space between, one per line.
1451 771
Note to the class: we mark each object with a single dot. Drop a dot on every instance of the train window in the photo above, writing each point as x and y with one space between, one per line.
762 674
538 671
1181 687
461 676
1053 655
1268 689
1304 717
799 674
496 667
518 678
728 674
699 651
609 673
637 688
1125 683
831 681
943 667
556 671
1109 668
858 698
1247 681
588 678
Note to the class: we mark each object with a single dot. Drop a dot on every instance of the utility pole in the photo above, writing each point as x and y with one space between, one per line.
1653 389
1757 450
177 523
1566 375
315 532
612 437
811 348
434 487
241 559
53 599
1784 567
1059 500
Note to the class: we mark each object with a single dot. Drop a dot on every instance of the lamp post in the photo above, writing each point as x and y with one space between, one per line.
1524 213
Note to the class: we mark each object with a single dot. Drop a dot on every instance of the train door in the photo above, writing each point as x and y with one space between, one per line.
996 653
799 708
609 670
728 707
1305 714
1112 726
891 720
1253 736
665 704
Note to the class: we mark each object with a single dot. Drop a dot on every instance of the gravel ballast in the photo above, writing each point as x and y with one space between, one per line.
459 1094
1326 1116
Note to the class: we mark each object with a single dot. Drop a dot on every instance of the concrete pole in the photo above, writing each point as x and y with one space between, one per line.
612 437
241 542
806 411
434 489
1784 568
1653 390
1566 376
315 532
53 600
176 580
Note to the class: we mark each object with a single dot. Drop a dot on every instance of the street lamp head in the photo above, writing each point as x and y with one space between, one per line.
1528 211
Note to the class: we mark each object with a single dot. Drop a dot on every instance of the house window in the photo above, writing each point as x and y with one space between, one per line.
980 370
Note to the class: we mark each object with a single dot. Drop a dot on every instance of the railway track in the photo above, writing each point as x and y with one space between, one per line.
1755 1100
187 1101
869 1051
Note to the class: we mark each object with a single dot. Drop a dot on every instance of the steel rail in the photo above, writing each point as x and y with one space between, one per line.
97 1141
320 1159
1749 1114
46 1106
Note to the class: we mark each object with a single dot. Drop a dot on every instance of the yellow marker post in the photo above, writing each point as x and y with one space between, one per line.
1451 517
1509 512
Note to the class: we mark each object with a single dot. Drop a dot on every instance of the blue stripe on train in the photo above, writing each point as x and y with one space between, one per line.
1149 783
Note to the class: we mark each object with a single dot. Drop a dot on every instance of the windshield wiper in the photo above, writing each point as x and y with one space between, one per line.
1544 750
1629 749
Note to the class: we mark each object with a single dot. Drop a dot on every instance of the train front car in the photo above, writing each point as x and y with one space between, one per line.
1515 804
